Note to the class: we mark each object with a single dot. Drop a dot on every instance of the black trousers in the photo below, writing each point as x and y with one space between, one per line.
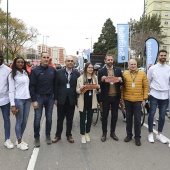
133 109
87 114
113 104
65 110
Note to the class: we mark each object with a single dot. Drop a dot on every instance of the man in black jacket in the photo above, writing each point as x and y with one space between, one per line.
110 95
42 81
66 98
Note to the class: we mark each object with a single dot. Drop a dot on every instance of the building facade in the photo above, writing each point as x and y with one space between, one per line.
161 7
58 54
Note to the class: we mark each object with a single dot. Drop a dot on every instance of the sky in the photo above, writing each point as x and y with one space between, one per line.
68 23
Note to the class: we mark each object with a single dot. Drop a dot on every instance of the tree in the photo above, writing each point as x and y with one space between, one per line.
18 34
107 39
141 31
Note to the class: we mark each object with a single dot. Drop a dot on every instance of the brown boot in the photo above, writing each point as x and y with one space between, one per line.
103 138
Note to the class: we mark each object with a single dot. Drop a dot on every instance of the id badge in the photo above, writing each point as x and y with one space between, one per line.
133 84
68 85
89 93
111 83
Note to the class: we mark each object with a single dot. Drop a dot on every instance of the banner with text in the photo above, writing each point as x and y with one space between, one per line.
123 42
152 47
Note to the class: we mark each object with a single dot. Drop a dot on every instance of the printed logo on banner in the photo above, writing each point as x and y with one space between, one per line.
123 42
152 48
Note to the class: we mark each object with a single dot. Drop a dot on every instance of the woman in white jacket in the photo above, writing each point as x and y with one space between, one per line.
19 96
87 101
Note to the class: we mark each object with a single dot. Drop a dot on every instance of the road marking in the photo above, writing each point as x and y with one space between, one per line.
156 132
33 159
34 155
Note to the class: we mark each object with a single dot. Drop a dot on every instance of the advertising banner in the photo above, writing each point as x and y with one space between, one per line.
123 42
152 48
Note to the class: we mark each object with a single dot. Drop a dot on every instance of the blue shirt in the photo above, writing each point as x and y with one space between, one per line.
42 81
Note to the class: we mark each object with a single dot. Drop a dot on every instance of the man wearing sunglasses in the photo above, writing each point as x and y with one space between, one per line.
159 81
66 98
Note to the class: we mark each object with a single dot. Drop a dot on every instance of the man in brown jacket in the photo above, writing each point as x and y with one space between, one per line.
134 94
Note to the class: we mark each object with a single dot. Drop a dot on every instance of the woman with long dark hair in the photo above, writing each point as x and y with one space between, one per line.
87 101
19 96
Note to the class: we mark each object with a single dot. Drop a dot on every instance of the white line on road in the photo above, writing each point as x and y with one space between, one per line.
34 155
33 159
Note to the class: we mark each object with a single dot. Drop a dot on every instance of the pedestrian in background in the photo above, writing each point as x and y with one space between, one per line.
19 96
159 84
4 100
42 82
66 98
110 95
134 94
87 101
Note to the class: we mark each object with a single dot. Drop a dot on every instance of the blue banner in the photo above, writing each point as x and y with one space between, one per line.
152 48
123 42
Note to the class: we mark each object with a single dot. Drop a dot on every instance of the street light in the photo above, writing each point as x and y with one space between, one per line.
91 44
7 33
45 36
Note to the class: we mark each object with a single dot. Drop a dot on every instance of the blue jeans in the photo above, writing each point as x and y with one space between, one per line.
6 116
23 106
46 101
162 105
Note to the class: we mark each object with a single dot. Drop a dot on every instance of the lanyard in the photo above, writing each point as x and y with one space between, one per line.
133 78
68 76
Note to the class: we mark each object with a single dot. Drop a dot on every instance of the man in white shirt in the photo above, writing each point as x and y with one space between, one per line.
4 100
159 81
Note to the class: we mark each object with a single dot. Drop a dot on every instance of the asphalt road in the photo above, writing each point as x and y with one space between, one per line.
94 155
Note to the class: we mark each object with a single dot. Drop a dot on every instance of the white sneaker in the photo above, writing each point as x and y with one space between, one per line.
154 123
16 143
87 137
83 139
151 138
9 144
161 138
22 146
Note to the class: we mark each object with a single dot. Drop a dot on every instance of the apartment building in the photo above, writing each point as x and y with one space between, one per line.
161 7
58 54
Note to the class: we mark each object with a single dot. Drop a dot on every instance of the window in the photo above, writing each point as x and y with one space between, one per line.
166 14
166 23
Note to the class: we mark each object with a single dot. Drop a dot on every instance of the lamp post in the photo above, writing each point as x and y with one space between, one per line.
45 45
7 33
91 44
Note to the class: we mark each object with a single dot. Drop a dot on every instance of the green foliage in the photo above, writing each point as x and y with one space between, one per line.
107 39
18 34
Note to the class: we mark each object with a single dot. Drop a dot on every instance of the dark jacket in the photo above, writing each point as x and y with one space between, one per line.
105 86
42 81
61 90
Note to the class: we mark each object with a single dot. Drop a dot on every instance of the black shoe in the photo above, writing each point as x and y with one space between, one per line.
103 138
127 139
113 136
48 140
37 142
137 142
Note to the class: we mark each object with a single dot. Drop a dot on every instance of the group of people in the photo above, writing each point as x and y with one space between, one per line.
66 88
